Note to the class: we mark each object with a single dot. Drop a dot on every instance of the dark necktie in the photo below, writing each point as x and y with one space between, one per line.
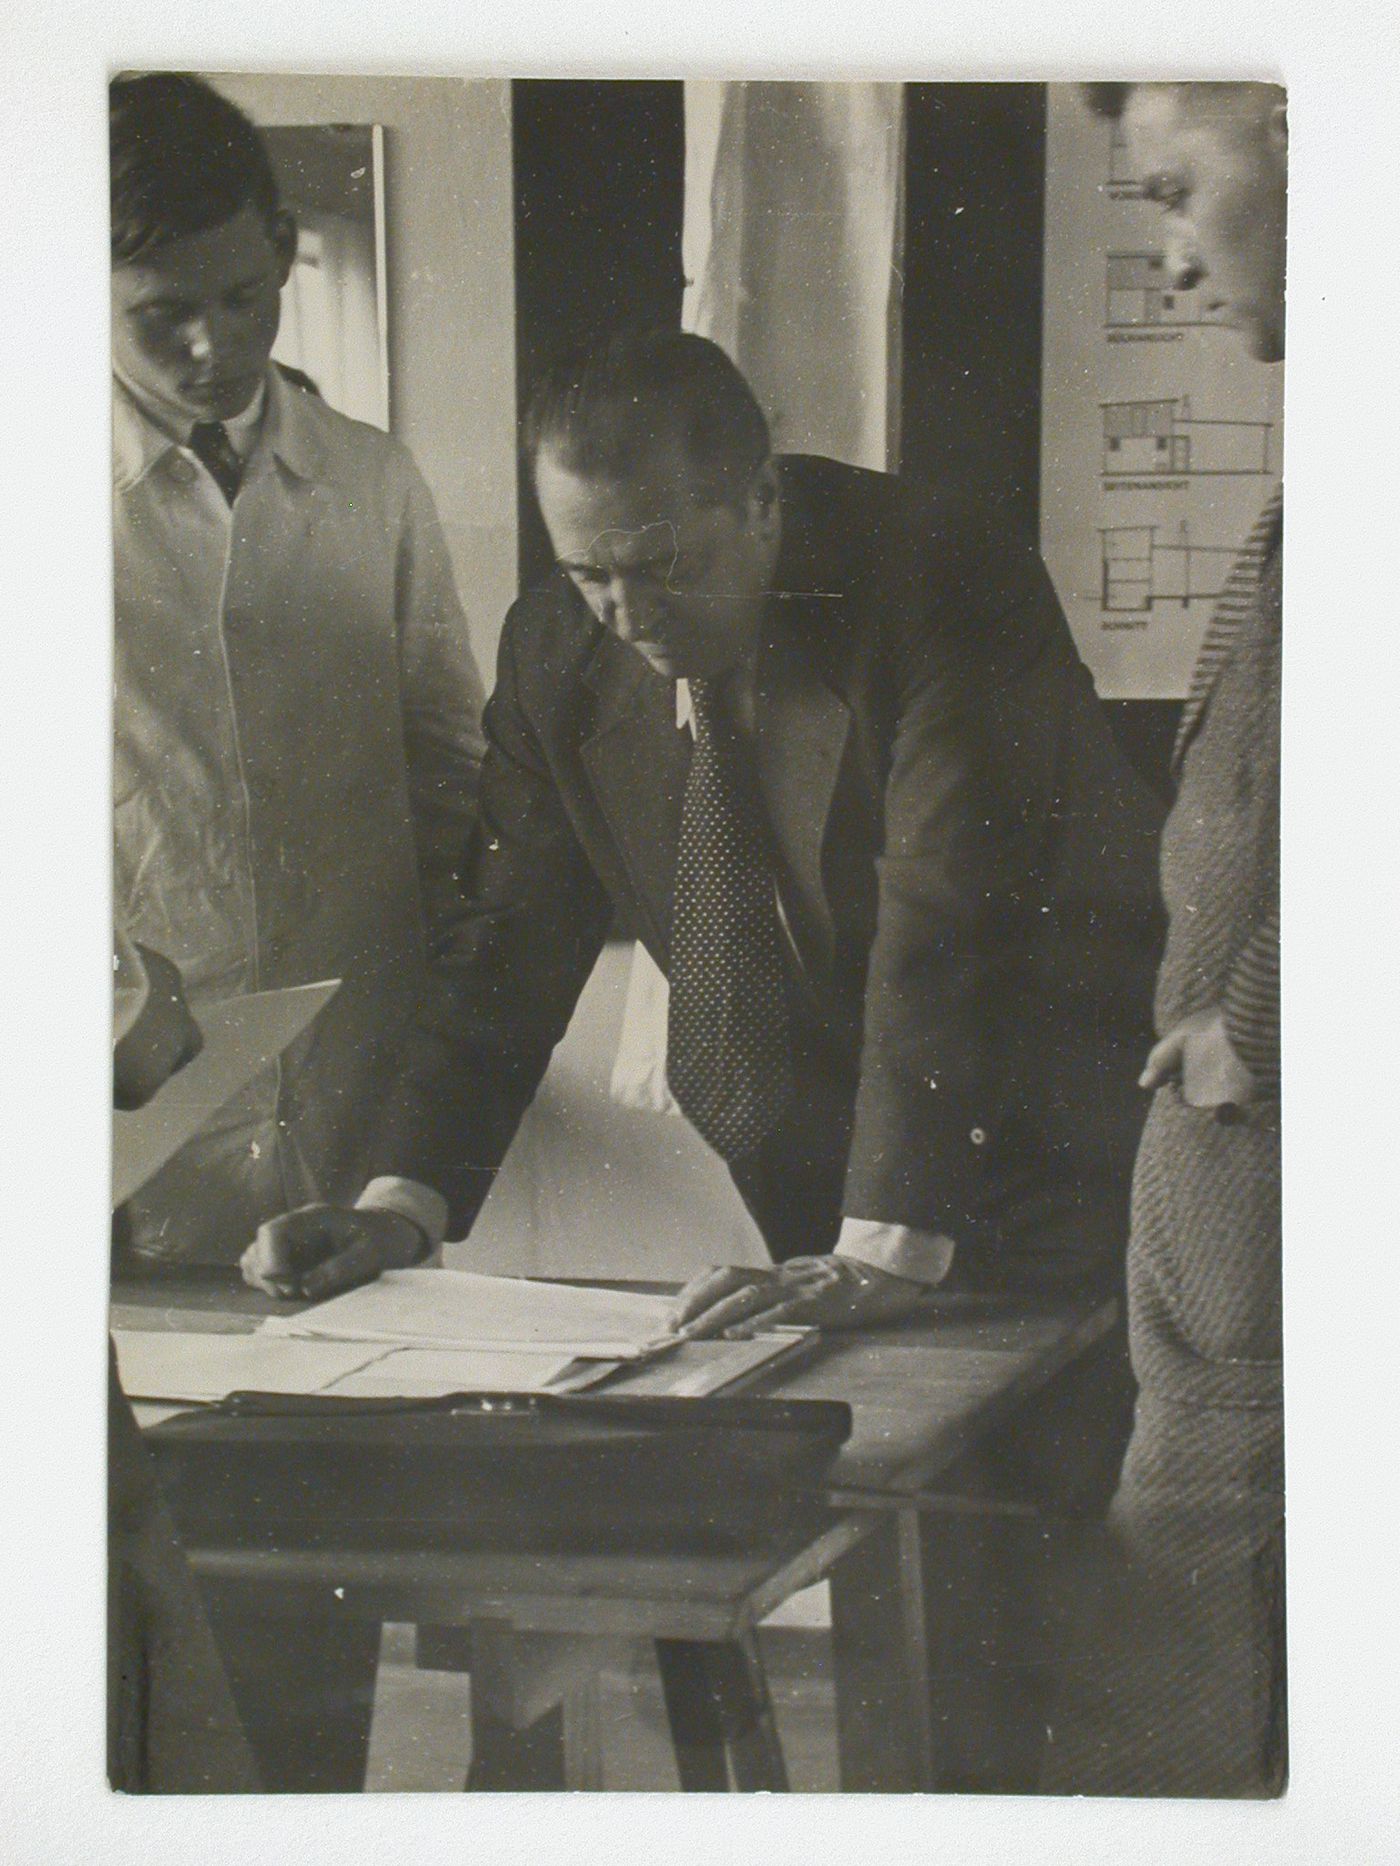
210 443
729 1063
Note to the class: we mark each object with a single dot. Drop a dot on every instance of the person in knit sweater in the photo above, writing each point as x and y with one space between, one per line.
1173 1669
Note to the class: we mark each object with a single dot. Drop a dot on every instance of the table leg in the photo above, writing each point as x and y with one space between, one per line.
746 1716
721 1715
880 1654
519 1682
697 1732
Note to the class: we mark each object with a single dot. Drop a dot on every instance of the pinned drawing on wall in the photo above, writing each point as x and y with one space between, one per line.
334 306
1160 439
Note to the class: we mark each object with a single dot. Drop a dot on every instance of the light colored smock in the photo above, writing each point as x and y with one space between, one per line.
297 737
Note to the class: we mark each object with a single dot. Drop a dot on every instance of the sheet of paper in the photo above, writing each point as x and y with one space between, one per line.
427 1373
241 1036
459 1309
165 1365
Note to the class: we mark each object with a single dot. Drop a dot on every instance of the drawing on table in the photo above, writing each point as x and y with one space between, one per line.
1147 565
1139 290
1161 438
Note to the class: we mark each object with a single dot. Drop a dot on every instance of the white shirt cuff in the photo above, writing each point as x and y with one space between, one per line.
922 1256
410 1199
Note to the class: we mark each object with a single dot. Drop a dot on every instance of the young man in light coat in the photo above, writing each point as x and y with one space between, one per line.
297 708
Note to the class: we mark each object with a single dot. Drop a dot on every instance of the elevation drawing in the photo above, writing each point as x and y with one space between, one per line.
1139 294
1163 438
1122 182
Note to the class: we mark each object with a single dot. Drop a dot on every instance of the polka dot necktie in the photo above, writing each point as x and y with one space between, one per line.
728 1058
210 443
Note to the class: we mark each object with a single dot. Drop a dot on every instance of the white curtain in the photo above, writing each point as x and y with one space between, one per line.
330 315
793 251
793 255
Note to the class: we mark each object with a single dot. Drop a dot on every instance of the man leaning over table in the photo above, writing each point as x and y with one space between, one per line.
821 736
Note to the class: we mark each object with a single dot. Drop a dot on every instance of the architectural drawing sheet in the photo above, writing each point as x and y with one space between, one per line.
241 1036
1161 438
457 1308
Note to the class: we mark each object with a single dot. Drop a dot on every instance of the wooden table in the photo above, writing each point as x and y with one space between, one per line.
922 1394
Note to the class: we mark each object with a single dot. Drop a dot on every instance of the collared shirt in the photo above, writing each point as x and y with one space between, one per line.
901 1250
297 735
241 429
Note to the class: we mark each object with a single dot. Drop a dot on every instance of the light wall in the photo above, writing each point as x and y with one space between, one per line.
450 263
589 1188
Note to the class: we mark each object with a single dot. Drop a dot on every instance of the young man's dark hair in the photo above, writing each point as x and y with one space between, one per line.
599 411
183 159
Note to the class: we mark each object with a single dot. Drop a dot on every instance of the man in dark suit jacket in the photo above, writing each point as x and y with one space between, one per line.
963 863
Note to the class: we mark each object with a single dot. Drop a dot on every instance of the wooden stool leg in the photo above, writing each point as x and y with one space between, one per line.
746 1716
583 1736
697 1731
504 1758
534 1703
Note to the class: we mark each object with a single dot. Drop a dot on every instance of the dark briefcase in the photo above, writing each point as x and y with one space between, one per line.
576 1472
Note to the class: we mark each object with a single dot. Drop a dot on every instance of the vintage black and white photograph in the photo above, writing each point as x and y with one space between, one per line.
697 824
699 1147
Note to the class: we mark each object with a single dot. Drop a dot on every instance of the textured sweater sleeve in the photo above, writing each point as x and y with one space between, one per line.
1251 1003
